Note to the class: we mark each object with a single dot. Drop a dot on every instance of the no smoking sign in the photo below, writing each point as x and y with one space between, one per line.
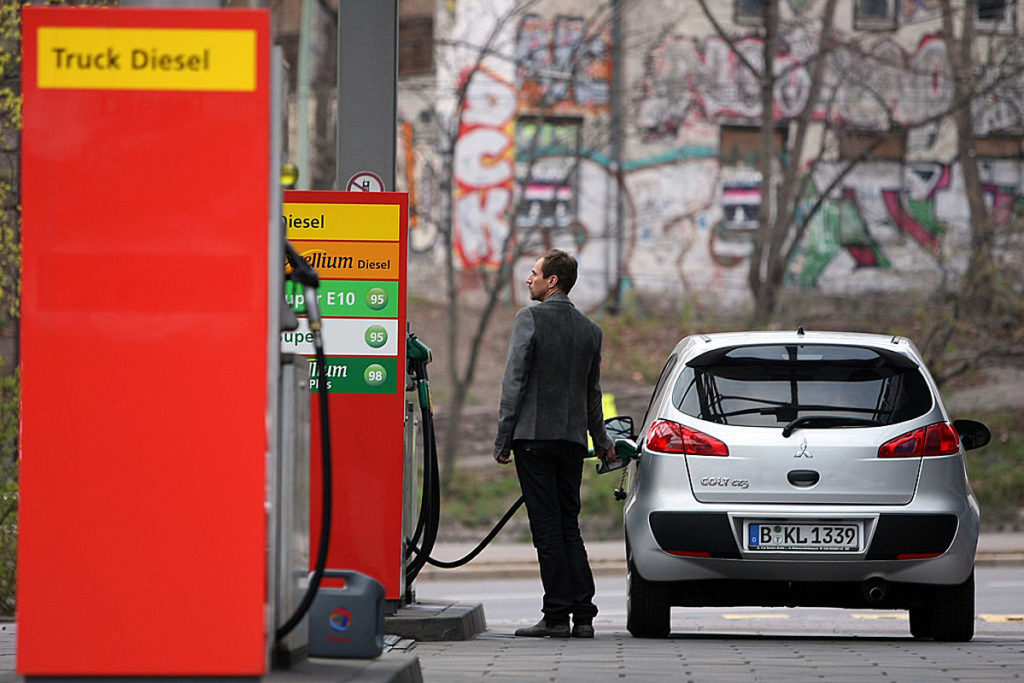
365 181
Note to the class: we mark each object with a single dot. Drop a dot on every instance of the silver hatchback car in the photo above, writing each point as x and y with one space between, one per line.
801 469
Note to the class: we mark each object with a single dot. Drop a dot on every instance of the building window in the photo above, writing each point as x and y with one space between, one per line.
415 45
997 16
749 12
874 15
547 172
998 147
884 145
742 144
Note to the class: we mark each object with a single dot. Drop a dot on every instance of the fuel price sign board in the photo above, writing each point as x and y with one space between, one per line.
357 243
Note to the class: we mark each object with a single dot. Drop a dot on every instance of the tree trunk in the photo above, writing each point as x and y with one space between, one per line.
977 281
759 276
452 433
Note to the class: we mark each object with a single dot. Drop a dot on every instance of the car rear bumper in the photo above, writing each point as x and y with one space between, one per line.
932 540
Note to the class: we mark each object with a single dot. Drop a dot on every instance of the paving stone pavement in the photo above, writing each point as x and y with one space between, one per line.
872 650
878 650
499 656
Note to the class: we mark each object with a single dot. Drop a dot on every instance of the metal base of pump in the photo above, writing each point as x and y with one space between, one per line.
283 658
290 535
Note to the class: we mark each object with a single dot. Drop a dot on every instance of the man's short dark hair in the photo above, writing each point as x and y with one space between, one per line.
557 262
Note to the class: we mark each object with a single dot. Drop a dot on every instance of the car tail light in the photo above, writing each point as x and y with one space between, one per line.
666 436
936 439
689 553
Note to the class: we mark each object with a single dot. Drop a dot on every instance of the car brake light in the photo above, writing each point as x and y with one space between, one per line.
916 556
666 436
935 439
689 553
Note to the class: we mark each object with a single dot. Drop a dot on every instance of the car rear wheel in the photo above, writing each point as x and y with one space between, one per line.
921 621
647 605
952 612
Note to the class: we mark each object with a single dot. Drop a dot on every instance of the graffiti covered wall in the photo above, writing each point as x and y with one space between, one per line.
688 213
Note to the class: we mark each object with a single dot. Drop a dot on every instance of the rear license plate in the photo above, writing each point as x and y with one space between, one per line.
785 536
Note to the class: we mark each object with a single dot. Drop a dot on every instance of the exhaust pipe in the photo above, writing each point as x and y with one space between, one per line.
875 591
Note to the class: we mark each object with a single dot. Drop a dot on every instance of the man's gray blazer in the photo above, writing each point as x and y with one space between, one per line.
552 383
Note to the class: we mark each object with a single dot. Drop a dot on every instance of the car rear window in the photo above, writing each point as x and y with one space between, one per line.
770 385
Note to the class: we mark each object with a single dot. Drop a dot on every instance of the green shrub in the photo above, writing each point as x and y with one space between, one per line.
996 471
8 491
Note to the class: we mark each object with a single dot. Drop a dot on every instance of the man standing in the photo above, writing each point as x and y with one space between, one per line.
550 399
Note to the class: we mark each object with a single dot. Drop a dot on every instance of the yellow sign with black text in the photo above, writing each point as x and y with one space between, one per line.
103 58
333 221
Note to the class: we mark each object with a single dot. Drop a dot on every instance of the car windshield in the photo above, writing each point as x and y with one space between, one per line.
771 385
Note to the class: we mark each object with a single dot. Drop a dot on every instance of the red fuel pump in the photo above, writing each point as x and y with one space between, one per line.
150 360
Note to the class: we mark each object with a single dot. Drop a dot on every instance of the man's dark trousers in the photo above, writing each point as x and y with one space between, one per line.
549 474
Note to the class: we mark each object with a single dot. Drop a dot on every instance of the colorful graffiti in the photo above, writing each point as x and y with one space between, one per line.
484 169
896 217
917 10
741 201
689 217
687 226
561 67
686 79
547 159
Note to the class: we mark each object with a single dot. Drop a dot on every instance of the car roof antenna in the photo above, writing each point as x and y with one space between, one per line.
800 330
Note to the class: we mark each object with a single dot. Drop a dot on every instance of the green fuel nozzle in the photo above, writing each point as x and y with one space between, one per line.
417 350
418 355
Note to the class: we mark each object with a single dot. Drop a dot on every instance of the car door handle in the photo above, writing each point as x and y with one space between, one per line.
803 478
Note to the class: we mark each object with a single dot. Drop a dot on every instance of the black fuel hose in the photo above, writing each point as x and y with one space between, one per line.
302 272
325 524
466 559
430 505
418 370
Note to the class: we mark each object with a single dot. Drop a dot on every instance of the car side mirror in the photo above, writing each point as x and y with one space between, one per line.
973 434
620 427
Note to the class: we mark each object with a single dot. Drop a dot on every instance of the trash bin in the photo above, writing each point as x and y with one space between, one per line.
347 622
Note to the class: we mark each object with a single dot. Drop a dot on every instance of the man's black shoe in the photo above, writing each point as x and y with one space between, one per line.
542 630
582 630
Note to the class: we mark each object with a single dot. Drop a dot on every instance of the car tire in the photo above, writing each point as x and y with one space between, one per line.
921 621
647 605
953 612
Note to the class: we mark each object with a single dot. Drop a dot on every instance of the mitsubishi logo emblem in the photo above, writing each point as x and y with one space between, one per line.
803 451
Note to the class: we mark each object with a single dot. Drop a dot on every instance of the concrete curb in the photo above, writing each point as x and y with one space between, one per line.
429 622
616 566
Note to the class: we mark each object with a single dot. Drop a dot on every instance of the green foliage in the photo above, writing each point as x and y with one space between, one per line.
10 263
10 293
996 471
10 125
478 496
8 489
639 338
601 514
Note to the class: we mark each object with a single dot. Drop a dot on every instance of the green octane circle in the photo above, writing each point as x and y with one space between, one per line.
375 375
376 298
376 336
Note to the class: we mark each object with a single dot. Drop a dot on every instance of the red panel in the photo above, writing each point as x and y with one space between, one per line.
144 354
366 432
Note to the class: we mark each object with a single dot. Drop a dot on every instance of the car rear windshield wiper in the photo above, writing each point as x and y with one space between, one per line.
826 421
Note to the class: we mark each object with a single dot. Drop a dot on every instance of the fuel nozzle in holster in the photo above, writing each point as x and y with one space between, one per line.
417 356
306 275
